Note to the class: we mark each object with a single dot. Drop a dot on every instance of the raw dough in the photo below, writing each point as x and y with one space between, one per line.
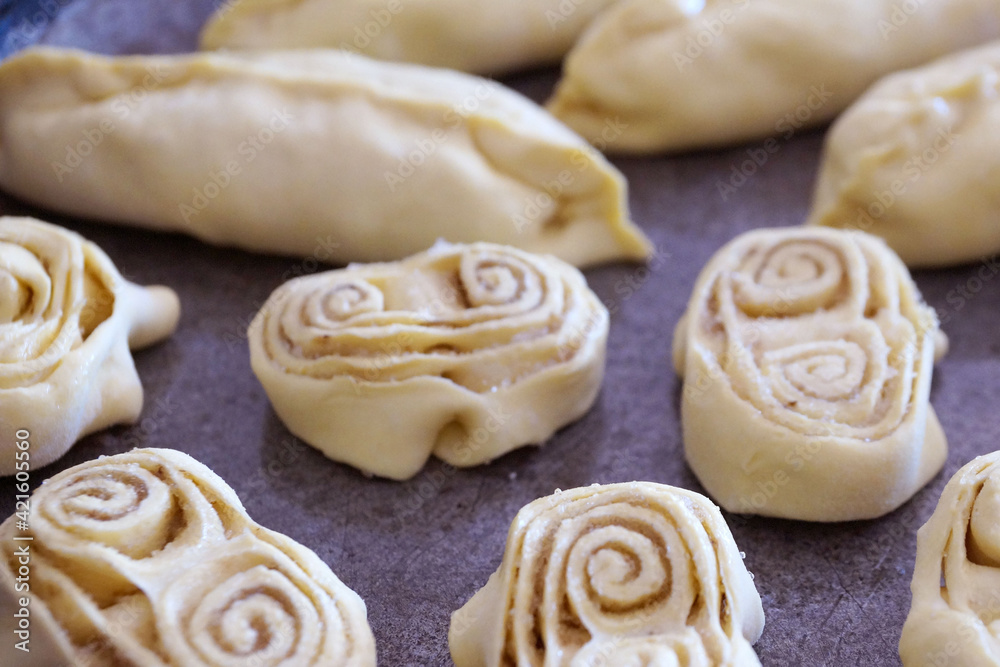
917 161
481 36
807 356
466 352
956 579
667 75
148 558
624 574
319 153
67 321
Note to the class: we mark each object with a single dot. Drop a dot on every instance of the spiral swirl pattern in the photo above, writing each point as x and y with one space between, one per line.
451 342
955 613
67 318
820 347
636 573
151 556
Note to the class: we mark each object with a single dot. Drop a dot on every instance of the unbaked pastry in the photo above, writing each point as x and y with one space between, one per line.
956 579
466 352
917 161
67 321
667 75
807 356
308 153
480 36
624 574
148 558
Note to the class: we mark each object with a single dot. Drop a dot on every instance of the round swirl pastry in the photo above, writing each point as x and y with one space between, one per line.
956 580
624 574
148 558
67 321
807 357
464 351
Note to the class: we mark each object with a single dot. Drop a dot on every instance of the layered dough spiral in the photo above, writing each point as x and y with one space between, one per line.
807 357
666 75
310 153
478 36
956 579
624 574
67 321
148 558
916 161
463 351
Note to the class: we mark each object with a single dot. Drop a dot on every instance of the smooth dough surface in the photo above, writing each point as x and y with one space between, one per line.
623 574
917 161
807 356
311 153
67 322
667 75
148 558
481 36
956 579
464 352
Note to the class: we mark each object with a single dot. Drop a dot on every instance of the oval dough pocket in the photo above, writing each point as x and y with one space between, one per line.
916 161
310 153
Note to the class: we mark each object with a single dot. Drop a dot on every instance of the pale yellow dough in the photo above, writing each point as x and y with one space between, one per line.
666 75
807 356
956 579
482 36
624 575
917 161
148 558
464 352
67 321
319 153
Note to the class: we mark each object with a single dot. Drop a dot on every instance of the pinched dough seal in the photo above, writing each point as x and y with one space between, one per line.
956 579
67 321
306 153
667 75
917 161
807 357
148 558
479 36
624 574
466 352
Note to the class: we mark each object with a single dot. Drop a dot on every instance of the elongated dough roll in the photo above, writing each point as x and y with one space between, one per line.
667 75
67 321
624 574
468 35
148 558
807 357
917 161
466 352
956 579
282 152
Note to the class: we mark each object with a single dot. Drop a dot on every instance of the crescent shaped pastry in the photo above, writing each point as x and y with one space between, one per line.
464 352
67 321
917 161
666 75
320 153
468 35
807 356
956 579
624 574
148 558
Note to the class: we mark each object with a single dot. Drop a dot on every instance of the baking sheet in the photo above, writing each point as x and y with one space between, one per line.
415 551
